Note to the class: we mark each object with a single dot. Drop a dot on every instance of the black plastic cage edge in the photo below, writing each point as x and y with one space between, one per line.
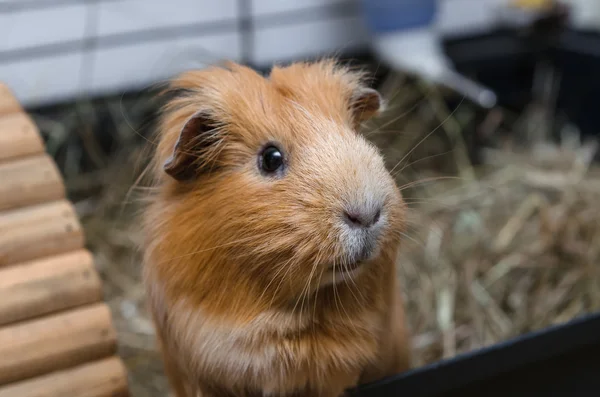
562 360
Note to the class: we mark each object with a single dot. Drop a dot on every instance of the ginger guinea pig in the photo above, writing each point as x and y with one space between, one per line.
272 236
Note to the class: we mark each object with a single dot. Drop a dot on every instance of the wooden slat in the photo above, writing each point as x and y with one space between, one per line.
19 137
30 181
33 348
8 102
45 286
105 378
39 231
56 334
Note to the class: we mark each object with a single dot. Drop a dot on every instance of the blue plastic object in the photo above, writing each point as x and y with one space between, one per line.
383 16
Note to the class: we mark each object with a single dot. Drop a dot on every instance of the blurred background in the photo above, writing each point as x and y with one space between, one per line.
491 131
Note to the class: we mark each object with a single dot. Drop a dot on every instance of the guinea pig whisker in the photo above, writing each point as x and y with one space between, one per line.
245 239
317 261
401 115
306 290
297 301
308 285
337 297
389 109
426 200
425 180
351 289
421 244
134 186
302 296
288 269
422 159
317 295
273 278
135 131
428 135
353 284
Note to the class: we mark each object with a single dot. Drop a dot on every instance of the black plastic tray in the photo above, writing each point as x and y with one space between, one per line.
562 360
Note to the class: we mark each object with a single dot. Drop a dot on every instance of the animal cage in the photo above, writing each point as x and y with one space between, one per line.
59 50
56 335
57 339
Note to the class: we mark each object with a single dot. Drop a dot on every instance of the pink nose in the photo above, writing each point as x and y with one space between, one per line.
364 219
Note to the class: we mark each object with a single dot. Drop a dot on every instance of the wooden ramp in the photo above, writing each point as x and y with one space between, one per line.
56 333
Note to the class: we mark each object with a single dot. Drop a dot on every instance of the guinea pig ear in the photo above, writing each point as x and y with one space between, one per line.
186 162
365 103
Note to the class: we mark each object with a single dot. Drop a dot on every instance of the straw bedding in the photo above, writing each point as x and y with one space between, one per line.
492 251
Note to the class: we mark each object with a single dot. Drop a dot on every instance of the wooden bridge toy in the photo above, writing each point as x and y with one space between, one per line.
56 333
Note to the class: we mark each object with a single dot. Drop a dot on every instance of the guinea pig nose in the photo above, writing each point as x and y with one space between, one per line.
364 218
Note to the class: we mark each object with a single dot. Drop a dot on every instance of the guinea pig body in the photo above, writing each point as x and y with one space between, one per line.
272 237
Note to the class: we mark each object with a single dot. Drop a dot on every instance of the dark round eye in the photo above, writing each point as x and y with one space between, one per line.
271 159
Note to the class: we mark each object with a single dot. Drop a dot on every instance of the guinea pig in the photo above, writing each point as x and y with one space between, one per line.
272 235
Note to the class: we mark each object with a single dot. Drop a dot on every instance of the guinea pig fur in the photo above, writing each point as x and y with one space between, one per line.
272 235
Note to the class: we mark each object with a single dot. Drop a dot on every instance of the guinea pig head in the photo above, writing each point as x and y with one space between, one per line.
265 186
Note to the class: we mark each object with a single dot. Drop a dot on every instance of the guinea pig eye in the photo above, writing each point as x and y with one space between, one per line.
271 159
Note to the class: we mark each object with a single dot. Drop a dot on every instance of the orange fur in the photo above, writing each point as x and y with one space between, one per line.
235 261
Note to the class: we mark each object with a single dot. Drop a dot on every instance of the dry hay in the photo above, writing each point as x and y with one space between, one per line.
113 235
483 261
491 252
497 250
516 251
